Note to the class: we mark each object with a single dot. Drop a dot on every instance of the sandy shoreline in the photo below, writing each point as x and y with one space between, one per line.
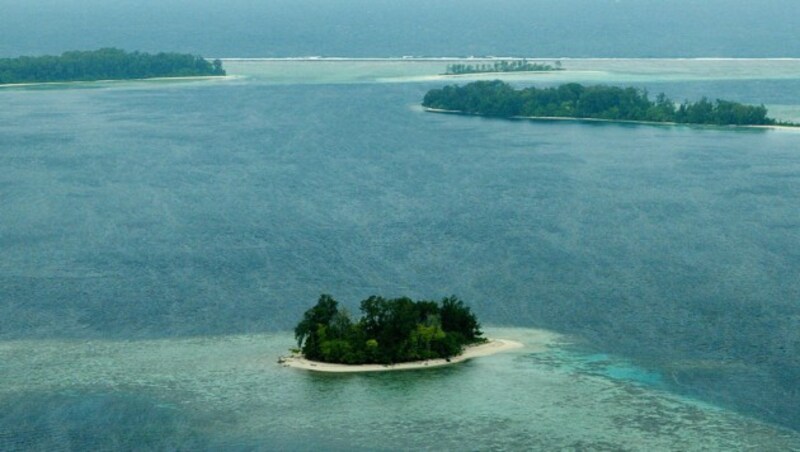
618 121
491 347
117 80
468 74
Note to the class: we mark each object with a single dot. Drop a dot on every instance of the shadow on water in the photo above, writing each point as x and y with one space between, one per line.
95 421
129 421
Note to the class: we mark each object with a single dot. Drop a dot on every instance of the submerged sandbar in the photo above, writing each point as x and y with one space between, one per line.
490 347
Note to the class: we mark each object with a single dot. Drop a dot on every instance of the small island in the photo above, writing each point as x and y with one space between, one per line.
575 101
522 65
392 334
105 64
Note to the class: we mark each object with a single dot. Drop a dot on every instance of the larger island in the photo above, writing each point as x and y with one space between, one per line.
105 64
392 334
573 100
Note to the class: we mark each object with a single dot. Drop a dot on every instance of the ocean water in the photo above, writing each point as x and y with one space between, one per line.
373 28
160 239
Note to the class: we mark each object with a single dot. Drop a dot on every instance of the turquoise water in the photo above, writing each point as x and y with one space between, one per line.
612 367
228 392
160 239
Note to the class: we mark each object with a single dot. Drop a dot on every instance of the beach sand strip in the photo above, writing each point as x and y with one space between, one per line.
491 347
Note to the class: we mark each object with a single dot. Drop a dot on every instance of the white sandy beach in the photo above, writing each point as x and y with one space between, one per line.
491 347
495 73
622 121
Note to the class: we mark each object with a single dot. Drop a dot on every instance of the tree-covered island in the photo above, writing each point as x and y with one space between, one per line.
522 65
105 64
573 100
390 331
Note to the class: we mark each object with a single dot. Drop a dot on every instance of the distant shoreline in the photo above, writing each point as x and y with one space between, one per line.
107 63
614 121
497 58
468 74
119 80
493 346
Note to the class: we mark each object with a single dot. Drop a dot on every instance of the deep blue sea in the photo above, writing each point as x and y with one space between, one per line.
159 239
387 28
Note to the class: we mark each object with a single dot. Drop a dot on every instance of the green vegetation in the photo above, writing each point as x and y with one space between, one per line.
104 64
390 331
572 100
501 66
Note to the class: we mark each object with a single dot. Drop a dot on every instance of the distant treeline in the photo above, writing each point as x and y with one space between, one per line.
572 100
390 331
501 66
104 64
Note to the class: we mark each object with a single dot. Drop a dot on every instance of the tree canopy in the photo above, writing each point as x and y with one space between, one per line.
105 64
522 65
389 331
573 100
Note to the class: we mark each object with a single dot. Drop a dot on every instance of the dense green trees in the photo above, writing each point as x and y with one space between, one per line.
496 98
522 65
104 64
389 331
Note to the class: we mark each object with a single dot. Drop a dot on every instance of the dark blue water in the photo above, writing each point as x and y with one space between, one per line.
545 28
149 211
